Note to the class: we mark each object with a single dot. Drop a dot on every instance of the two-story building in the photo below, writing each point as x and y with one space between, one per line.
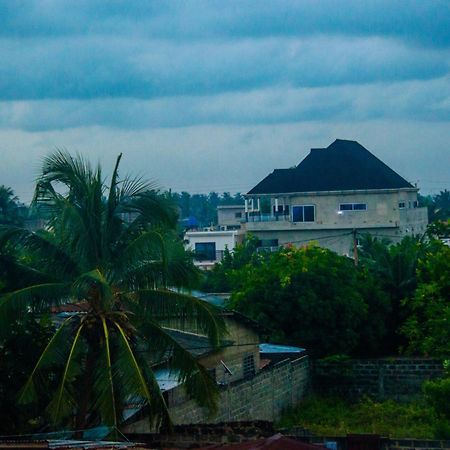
333 195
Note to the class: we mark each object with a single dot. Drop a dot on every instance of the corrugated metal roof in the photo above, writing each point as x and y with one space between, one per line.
273 348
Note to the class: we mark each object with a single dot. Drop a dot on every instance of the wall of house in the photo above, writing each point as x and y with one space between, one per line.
382 210
339 241
222 239
226 215
332 228
245 343
262 397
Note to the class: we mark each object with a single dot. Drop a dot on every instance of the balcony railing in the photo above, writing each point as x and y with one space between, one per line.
268 218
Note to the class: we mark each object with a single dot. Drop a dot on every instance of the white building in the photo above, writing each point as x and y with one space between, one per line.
209 246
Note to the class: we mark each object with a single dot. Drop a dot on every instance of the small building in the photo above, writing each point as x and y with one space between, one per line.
250 387
334 195
209 245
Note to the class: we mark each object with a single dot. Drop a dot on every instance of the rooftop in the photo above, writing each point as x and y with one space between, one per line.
342 166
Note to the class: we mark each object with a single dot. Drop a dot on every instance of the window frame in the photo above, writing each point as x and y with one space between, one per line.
352 204
248 366
198 254
303 213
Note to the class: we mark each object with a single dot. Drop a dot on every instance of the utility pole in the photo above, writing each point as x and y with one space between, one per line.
355 247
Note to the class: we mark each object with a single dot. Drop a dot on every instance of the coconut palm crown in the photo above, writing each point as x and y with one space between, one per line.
112 251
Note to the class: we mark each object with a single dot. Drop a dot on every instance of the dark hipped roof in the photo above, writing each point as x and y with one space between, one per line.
342 166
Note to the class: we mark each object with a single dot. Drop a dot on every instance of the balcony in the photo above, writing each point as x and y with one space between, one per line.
267 218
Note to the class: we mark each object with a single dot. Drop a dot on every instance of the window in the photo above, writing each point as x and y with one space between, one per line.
401 205
303 213
248 366
205 251
353 207
268 243
238 215
415 204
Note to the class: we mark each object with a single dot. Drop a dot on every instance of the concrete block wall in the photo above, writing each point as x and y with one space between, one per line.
395 378
262 397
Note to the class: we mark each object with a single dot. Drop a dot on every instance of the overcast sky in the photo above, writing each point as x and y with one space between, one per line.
213 95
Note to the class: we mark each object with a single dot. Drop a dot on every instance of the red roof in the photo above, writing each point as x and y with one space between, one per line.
276 442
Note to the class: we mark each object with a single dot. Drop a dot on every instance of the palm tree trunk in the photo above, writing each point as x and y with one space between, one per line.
81 420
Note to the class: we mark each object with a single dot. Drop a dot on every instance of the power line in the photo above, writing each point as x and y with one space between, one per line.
319 238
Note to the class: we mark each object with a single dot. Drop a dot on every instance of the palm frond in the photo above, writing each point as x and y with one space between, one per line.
139 383
180 311
151 209
133 186
104 397
35 298
197 381
64 403
86 283
52 355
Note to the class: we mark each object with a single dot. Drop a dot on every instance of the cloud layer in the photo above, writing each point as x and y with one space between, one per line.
240 72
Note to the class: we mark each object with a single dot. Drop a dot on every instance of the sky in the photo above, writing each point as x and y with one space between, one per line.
213 95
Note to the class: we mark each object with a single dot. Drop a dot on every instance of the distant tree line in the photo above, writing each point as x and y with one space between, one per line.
203 207
438 205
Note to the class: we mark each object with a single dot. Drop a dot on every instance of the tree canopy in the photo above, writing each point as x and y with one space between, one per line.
309 296
111 250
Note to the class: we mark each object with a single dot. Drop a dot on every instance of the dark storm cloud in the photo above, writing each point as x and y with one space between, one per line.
419 21
138 64
93 67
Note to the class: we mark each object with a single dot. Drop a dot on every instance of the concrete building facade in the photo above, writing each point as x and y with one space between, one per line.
332 196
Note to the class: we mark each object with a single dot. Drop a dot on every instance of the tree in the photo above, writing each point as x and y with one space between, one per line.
9 208
395 266
308 297
224 276
112 250
438 205
428 327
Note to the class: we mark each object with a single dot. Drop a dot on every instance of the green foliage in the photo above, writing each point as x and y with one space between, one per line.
309 297
27 339
112 250
438 205
439 229
224 276
333 370
428 327
331 416
394 266
10 210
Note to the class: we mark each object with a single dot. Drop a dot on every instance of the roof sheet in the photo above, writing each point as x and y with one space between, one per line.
343 165
273 348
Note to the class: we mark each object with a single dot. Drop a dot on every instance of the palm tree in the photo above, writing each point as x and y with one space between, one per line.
8 206
111 250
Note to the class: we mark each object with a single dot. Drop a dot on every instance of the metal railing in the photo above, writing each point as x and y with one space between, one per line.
268 218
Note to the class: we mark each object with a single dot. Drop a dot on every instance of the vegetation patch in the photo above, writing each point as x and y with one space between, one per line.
333 416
